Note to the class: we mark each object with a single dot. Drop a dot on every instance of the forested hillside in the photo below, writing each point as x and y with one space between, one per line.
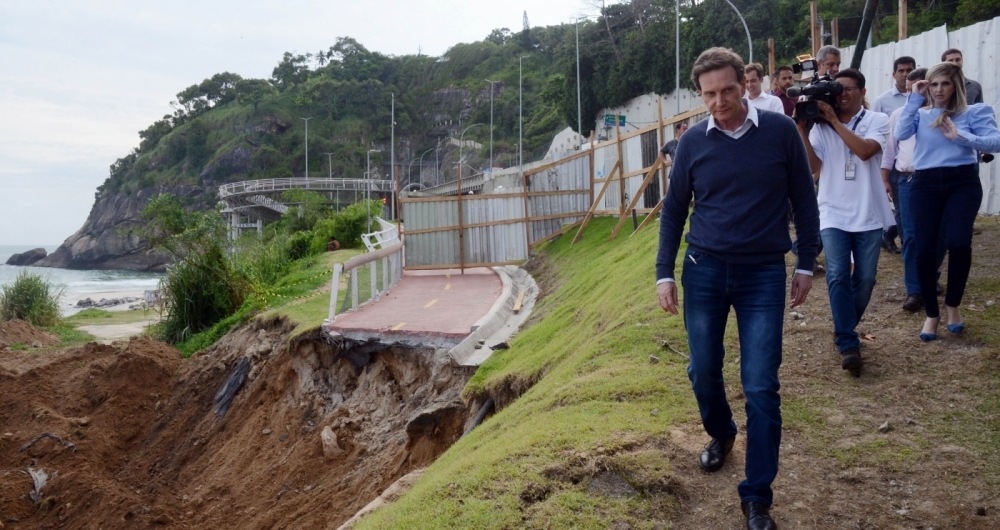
227 128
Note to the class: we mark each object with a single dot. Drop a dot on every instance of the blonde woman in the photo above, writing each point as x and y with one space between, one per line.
946 182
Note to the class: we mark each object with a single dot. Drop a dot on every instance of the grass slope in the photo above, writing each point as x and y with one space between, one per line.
598 402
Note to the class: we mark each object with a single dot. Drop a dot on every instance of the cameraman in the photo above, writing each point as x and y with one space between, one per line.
845 153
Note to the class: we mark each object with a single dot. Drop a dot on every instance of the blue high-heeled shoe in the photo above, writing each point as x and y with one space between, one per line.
956 328
927 337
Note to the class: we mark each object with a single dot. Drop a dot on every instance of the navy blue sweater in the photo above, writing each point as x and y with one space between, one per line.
742 191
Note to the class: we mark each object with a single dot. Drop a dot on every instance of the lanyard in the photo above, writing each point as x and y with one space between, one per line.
861 116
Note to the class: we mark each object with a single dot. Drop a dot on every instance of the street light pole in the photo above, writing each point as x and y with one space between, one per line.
419 166
392 156
677 56
461 144
745 28
330 166
491 125
579 111
369 190
307 144
520 118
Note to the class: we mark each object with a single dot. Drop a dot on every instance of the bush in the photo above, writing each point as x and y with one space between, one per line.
298 245
198 292
30 298
345 226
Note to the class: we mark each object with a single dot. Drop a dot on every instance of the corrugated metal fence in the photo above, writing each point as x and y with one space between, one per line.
980 47
501 225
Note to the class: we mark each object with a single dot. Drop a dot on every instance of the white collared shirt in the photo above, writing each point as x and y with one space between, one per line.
898 154
857 204
766 101
751 119
889 101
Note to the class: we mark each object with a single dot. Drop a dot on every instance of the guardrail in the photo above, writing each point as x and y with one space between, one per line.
363 284
271 185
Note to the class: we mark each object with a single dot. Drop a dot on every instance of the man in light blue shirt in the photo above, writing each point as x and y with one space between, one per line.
887 103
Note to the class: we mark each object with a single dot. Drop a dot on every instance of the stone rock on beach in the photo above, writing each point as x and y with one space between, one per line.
25 259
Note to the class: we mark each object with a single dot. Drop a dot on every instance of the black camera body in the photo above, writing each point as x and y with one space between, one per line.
823 89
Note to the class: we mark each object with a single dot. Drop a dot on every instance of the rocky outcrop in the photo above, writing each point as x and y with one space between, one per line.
237 160
27 258
107 239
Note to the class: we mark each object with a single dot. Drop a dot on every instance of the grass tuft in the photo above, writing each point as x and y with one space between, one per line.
30 298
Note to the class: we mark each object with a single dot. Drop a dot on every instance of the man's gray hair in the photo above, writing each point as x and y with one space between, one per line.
827 50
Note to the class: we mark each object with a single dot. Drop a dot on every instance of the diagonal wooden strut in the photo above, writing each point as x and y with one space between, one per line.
593 207
636 197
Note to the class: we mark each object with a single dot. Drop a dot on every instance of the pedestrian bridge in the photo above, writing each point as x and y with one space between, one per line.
250 203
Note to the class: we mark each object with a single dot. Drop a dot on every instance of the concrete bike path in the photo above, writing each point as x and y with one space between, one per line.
443 305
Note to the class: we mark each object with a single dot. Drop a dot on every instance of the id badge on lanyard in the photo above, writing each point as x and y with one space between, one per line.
850 170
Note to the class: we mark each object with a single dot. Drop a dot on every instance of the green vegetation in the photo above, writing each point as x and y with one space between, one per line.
92 316
30 298
591 397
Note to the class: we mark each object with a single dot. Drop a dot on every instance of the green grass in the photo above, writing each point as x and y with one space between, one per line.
300 296
98 317
594 392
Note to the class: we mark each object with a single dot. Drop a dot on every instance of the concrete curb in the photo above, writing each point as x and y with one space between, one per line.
493 320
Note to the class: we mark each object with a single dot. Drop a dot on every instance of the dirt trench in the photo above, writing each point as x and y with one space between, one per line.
314 433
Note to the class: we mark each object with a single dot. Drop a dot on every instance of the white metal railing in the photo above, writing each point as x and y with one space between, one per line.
268 202
363 283
388 235
270 185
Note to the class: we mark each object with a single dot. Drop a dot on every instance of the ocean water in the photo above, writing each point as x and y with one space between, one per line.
77 285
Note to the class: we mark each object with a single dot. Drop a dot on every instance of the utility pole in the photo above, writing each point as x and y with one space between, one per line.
677 55
307 144
330 166
902 19
813 29
835 32
579 112
491 126
770 58
392 158
520 114
369 190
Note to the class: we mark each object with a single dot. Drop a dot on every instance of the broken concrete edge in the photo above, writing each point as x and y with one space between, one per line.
393 492
490 322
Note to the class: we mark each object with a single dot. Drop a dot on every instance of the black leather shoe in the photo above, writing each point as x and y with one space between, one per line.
851 361
714 455
913 303
757 516
890 246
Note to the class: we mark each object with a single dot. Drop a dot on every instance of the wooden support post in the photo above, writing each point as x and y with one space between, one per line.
593 205
592 158
635 199
770 59
652 215
461 228
662 141
902 19
835 32
621 166
527 214
814 28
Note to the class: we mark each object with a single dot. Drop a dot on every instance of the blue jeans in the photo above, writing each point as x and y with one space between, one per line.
897 229
757 293
850 292
952 194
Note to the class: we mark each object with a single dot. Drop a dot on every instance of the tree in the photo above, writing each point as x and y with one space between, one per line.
253 92
499 36
291 71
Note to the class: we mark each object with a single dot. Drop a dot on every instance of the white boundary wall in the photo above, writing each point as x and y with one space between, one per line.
980 45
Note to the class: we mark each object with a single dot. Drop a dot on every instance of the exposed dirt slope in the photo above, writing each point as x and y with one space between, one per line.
149 449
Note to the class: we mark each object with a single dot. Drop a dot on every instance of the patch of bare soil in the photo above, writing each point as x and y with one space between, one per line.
20 332
311 437
936 466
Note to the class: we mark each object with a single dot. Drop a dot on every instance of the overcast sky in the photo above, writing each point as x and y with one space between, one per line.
79 79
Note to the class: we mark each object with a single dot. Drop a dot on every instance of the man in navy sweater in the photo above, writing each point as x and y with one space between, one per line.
744 168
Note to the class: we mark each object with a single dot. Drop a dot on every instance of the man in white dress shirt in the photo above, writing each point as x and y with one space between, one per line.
754 74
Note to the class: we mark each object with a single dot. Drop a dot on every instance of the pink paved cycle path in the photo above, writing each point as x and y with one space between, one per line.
427 304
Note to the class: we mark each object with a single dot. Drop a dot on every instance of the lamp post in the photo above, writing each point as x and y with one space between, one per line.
745 28
579 111
491 125
460 145
330 166
369 190
520 118
677 56
420 165
307 144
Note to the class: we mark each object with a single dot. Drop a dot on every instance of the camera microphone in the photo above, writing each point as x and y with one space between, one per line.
793 92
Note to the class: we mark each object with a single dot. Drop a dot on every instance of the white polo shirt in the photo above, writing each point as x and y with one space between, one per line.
857 204
766 101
